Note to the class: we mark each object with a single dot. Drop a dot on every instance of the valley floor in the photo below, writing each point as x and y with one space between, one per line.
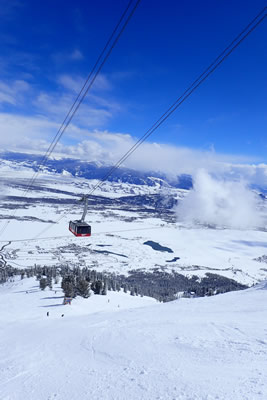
124 347
34 230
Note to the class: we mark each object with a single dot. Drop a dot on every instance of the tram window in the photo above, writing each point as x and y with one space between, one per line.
83 230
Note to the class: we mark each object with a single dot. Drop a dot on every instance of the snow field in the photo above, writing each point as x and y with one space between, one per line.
190 349
229 253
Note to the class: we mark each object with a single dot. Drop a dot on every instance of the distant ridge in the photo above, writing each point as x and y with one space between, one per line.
96 170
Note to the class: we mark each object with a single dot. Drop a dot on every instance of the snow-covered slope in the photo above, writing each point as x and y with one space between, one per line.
189 349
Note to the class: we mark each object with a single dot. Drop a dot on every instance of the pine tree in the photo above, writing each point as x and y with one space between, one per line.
83 288
43 283
49 282
68 289
118 286
38 276
105 289
97 287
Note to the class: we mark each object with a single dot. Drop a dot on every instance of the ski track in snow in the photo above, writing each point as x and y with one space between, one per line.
190 349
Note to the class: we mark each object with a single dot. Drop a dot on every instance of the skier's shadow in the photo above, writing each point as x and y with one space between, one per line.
52 305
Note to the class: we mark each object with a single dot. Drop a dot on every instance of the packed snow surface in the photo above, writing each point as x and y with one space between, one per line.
124 347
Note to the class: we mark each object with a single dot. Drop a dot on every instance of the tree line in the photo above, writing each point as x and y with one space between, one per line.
163 286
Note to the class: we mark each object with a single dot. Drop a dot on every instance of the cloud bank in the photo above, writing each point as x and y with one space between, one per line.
33 134
220 203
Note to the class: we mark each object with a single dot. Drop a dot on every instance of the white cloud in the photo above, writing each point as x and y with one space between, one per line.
102 83
63 57
76 55
75 84
25 133
220 203
13 93
53 106
94 112
6 98
71 83
57 106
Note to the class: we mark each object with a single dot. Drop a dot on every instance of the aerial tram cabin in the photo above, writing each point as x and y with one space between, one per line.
79 227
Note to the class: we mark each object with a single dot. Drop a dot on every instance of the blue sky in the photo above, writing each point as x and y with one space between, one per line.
48 48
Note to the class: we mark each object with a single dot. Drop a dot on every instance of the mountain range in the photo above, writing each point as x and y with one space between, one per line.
97 170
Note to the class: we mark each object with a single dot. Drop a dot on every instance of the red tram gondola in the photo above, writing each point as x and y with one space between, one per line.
79 227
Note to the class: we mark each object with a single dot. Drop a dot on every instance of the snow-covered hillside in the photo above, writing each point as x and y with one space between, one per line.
189 349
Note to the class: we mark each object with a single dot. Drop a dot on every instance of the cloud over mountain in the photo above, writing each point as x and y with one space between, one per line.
220 202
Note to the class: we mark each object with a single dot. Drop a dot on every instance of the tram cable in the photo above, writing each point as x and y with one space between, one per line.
70 237
84 90
212 67
255 22
104 55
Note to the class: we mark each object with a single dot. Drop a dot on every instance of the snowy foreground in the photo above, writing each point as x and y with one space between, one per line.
124 347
